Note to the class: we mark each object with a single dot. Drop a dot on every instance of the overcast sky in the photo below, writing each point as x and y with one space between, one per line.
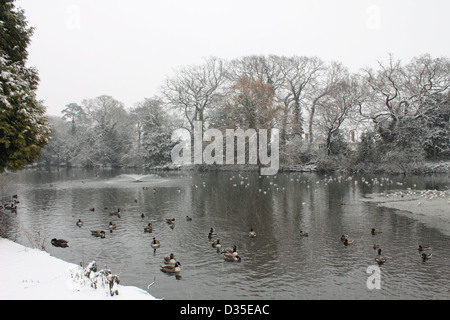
87 48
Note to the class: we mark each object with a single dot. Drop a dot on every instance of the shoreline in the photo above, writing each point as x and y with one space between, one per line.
32 274
430 207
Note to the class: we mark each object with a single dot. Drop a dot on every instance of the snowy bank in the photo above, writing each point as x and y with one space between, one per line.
31 274
431 207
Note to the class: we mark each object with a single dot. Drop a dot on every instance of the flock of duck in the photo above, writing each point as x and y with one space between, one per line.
172 265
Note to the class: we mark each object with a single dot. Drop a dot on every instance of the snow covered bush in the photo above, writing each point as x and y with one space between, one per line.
97 279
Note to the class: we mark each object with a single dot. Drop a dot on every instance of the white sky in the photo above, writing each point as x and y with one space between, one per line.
126 49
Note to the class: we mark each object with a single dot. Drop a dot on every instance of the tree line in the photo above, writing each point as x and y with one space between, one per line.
395 115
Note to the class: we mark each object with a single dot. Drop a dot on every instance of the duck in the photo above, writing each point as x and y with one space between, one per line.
172 226
303 233
231 257
374 231
252 233
425 256
92 209
170 220
142 215
168 268
188 218
379 258
231 250
343 237
60 243
422 248
115 213
98 233
155 243
211 233
155 190
15 196
79 223
148 228
112 226
170 259
375 246
347 242
216 244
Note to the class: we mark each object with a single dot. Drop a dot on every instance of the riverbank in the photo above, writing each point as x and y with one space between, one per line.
31 274
431 207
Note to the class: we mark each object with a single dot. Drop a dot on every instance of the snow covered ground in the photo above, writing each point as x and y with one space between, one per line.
31 274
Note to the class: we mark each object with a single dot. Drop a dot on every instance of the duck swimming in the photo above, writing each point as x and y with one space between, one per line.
379 258
171 268
211 233
115 213
148 228
170 220
98 233
112 226
216 244
155 243
231 250
303 233
374 231
170 259
79 223
422 248
231 257
60 243
347 242
252 233
425 256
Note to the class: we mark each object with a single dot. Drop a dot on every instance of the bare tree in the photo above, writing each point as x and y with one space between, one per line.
195 89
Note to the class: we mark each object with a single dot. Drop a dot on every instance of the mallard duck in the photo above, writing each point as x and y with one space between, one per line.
168 268
374 231
98 233
142 215
148 228
252 233
216 244
379 258
231 257
79 223
188 218
211 233
425 256
343 237
155 190
172 226
303 233
375 246
170 220
112 226
155 243
347 241
115 213
15 196
170 259
60 243
92 209
422 248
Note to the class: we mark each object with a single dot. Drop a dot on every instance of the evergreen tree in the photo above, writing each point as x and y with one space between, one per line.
23 125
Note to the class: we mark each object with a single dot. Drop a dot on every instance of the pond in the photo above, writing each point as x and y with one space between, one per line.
276 264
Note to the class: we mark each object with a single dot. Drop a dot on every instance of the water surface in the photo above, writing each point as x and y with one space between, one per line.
277 264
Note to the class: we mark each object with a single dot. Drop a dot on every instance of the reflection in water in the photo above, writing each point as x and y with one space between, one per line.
277 264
